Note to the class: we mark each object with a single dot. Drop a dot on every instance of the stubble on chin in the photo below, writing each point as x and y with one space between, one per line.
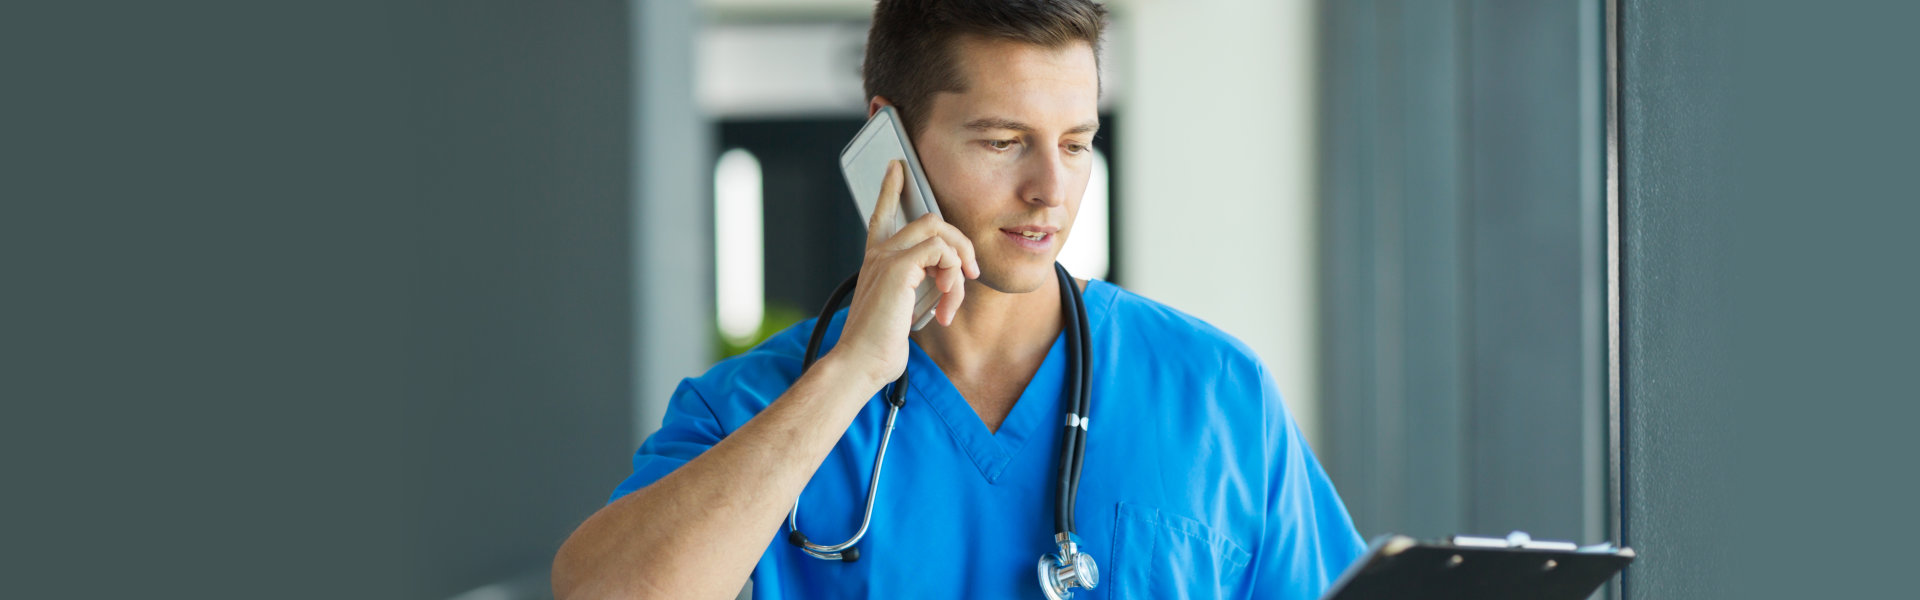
1000 280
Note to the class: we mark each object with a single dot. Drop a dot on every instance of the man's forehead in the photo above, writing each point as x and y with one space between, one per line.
1011 85
988 60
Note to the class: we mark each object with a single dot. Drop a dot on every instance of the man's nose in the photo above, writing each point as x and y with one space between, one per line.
1045 181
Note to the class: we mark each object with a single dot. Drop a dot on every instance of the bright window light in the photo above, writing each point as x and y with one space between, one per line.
1085 254
739 265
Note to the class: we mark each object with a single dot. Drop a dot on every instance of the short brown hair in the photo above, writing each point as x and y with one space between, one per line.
910 47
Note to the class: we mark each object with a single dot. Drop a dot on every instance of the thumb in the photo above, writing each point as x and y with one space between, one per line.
887 206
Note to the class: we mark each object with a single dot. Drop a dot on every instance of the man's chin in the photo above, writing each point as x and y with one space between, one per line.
1020 279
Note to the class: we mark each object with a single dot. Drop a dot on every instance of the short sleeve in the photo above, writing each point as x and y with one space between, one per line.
1309 539
688 429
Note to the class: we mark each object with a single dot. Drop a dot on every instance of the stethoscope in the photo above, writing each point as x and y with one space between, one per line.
1061 571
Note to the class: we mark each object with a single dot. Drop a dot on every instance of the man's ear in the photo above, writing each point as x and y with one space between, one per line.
873 106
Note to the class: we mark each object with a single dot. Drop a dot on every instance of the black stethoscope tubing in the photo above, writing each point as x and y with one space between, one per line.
1073 442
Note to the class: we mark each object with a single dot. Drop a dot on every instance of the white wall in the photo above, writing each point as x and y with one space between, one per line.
1218 213
672 211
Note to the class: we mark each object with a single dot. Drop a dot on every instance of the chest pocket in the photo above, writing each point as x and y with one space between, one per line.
1160 555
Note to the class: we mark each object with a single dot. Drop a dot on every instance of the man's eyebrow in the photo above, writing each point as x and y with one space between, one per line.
998 123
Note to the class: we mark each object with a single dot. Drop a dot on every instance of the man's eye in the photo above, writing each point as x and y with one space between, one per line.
1000 144
1076 148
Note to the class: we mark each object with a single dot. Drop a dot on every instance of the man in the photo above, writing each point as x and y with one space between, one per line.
1196 482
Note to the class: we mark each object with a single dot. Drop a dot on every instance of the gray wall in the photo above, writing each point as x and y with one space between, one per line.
1463 276
1767 298
327 301
519 421
1674 450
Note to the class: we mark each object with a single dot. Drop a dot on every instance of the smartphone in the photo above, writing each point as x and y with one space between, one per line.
864 162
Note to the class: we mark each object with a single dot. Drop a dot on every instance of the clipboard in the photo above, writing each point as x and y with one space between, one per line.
1516 567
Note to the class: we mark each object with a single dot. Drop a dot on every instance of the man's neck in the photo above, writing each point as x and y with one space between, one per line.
995 331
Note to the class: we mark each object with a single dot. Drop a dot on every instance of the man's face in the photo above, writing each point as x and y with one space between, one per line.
1009 158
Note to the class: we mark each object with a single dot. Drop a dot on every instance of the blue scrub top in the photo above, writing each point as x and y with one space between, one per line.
1196 482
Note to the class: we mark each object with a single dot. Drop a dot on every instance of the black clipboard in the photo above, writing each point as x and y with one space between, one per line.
1398 567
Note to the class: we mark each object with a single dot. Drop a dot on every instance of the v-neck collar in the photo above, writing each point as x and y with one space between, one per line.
1040 405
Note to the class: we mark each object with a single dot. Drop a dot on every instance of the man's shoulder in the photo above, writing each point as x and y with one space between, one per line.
1162 352
767 368
1137 319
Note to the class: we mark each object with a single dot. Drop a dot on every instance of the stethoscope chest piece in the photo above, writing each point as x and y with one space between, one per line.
1070 568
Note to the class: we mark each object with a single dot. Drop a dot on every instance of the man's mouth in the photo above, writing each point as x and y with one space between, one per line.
1036 238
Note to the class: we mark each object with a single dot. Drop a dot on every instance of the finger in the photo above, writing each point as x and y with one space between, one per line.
916 231
887 205
952 279
947 277
956 292
929 226
933 256
946 280
962 245
946 258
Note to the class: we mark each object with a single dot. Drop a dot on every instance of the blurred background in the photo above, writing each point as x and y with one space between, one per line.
376 299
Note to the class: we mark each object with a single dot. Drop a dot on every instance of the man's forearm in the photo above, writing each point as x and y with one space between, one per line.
697 532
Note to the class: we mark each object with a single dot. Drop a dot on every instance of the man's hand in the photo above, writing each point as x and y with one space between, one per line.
874 340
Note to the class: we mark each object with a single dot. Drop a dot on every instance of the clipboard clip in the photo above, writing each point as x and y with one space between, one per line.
1520 539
